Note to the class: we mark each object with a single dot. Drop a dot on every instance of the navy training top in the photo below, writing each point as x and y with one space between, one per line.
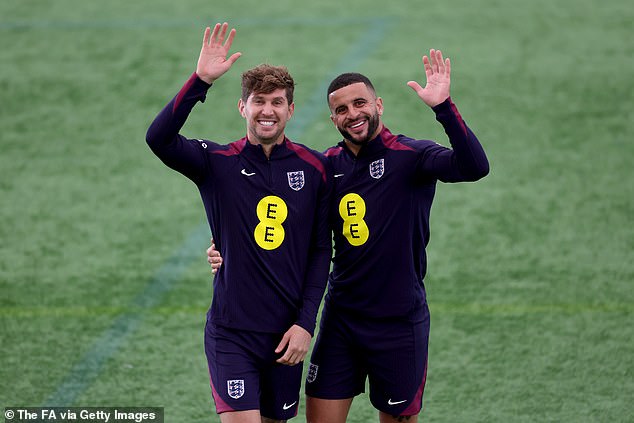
382 203
268 216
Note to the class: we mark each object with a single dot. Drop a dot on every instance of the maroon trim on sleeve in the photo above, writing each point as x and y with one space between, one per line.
333 151
454 109
391 141
308 157
233 149
181 93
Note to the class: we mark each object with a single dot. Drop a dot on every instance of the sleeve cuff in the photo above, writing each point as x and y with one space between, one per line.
445 106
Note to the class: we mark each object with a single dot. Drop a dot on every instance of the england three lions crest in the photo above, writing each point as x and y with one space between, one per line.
312 373
377 168
296 180
235 388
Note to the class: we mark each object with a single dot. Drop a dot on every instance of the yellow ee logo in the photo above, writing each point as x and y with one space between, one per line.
272 212
352 211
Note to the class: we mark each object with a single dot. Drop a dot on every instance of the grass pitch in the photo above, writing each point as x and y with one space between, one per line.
102 270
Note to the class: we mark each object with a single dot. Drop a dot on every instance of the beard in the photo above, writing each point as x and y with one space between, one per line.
373 124
263 137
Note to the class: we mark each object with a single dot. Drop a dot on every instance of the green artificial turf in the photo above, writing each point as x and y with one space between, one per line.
102 266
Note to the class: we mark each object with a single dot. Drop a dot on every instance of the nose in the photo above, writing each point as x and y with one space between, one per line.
353 114
267 109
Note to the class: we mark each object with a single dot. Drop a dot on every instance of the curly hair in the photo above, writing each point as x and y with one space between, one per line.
265 79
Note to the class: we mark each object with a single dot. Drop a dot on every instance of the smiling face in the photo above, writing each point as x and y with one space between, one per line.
356 112
266 116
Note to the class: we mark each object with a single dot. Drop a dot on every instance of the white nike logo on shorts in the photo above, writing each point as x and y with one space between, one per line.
245 173
390 402
286 407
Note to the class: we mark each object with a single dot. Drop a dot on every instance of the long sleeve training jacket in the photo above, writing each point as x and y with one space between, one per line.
268 217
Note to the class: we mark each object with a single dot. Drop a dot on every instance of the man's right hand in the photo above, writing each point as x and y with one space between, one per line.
213 62
213 257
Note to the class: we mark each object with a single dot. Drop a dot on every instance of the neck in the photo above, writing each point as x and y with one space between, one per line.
354 148
267 148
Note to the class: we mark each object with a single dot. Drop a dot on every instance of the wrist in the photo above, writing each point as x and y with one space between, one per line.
205 78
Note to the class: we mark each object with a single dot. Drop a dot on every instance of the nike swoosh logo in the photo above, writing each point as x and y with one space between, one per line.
339 175
390 402
245 173
286 407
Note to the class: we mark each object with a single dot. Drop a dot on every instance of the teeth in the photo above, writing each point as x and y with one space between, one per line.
267 122
356 125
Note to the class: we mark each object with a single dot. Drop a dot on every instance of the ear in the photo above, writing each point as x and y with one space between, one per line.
291 110
332 119
379 106
241 107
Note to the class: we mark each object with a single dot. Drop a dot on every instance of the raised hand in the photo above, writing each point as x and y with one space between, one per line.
438 73
213 61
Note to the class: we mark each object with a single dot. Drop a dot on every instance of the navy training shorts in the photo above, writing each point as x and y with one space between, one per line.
244 375
391 354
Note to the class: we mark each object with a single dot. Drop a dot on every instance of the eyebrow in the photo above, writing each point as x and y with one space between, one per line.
354 100
260 97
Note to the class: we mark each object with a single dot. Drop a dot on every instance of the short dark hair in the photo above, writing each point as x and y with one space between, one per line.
265 79
349 78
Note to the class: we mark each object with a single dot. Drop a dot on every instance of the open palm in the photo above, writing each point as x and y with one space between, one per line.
438 73
213 61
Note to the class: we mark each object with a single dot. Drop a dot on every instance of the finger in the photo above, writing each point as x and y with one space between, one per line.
214 34
223 32
293 360
235 56
448 66
427 66
439 61
434 62
283 361
229 41
282 344
415 86
287 358
206 35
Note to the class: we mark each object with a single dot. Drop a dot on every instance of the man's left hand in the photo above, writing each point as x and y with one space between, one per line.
438 73
296 340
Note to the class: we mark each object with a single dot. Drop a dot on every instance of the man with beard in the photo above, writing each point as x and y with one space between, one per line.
267 201
375 321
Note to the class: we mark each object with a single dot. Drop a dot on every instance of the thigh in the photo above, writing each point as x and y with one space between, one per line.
233 371
327 410
397 367
337 369
280 385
